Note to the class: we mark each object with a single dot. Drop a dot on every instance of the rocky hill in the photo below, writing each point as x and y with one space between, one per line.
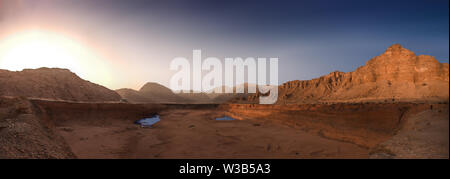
52 83
157 93
133 96
151 93
396 75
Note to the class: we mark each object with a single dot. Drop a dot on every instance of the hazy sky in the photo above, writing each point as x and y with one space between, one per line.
127 43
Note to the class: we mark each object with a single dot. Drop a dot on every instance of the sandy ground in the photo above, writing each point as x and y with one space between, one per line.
55 129
426 135
184 133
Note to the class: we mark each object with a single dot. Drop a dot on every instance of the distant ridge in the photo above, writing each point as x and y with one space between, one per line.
156 93
151 93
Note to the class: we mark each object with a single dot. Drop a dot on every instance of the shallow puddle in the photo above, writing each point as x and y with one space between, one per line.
148 122
226 118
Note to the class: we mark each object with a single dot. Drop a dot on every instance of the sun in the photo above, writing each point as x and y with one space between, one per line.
35 49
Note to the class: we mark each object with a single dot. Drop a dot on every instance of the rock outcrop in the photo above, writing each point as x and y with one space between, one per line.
52 83
396 75
24 135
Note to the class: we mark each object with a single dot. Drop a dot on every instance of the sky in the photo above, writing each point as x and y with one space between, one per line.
124 44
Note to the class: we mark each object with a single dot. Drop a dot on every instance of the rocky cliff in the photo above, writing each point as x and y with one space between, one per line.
396 75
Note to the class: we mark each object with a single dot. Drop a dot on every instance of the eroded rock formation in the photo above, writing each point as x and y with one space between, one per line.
396 75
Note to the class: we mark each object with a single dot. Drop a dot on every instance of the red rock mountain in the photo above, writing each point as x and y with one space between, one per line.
396 75
52 83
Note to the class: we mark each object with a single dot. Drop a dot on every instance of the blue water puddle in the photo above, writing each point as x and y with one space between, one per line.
226 118
148 122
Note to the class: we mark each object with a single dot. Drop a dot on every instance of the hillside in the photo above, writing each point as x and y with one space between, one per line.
52 83
133 96
151 93
396 75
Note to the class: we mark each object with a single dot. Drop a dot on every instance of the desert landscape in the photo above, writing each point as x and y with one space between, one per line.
395 106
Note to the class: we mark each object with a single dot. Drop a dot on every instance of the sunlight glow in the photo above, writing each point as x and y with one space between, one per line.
35 49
